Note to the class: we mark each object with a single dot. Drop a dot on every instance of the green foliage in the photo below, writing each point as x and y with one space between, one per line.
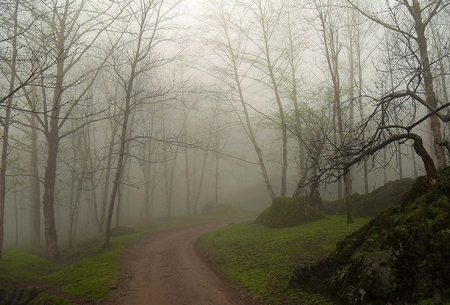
288 212
261 259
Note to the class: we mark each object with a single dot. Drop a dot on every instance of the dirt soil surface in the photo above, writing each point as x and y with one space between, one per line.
167 268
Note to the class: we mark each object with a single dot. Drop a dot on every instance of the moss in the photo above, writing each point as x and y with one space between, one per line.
44 298
288 212
372 204
401 255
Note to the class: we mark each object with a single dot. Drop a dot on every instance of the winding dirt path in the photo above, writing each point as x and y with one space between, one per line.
166 268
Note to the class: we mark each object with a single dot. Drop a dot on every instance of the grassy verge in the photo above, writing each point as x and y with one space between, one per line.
91 275
261 259
91 271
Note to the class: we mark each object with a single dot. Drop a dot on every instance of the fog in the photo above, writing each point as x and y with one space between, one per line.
131 112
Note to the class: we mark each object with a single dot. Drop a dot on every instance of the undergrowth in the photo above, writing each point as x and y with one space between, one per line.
262 259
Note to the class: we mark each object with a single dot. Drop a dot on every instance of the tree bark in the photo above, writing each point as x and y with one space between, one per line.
267 53
422 42
5 136
35 189
186 165
428 162
109 215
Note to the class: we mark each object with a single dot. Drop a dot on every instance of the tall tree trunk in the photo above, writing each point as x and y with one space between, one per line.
168 175
76 146
107 227
298 124
431 99
332 48
114 129
271 73
120 162
186 165
216 168
126 168
35 189
52 137
200 183
247 125
51 239
5 136
91 170
74 211
148 191
347 200
413 156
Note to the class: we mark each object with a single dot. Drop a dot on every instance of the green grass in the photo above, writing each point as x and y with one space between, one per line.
92 277
91 271
24 263
44 298
261 259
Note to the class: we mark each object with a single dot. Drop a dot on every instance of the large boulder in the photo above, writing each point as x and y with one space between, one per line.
288 212
371 204
401 256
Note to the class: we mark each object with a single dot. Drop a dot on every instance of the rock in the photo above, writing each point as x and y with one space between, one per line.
288 212
401 256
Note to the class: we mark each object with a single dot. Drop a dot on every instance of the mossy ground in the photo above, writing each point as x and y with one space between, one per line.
288 212
399 257
261 259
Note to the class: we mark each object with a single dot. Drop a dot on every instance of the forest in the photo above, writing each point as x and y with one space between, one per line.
121 112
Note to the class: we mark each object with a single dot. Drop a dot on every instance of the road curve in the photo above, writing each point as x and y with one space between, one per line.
165 268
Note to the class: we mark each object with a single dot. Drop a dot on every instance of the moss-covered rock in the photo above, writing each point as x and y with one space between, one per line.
401 256
372 204
288 212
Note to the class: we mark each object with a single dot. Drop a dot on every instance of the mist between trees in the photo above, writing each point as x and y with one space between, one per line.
121 112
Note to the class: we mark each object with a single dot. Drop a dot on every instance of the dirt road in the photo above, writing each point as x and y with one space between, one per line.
166 268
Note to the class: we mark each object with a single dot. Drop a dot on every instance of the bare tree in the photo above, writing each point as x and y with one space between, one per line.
329 27
229 45
6 121
293 47
270 63
410 20
152 28
150 162
73 27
